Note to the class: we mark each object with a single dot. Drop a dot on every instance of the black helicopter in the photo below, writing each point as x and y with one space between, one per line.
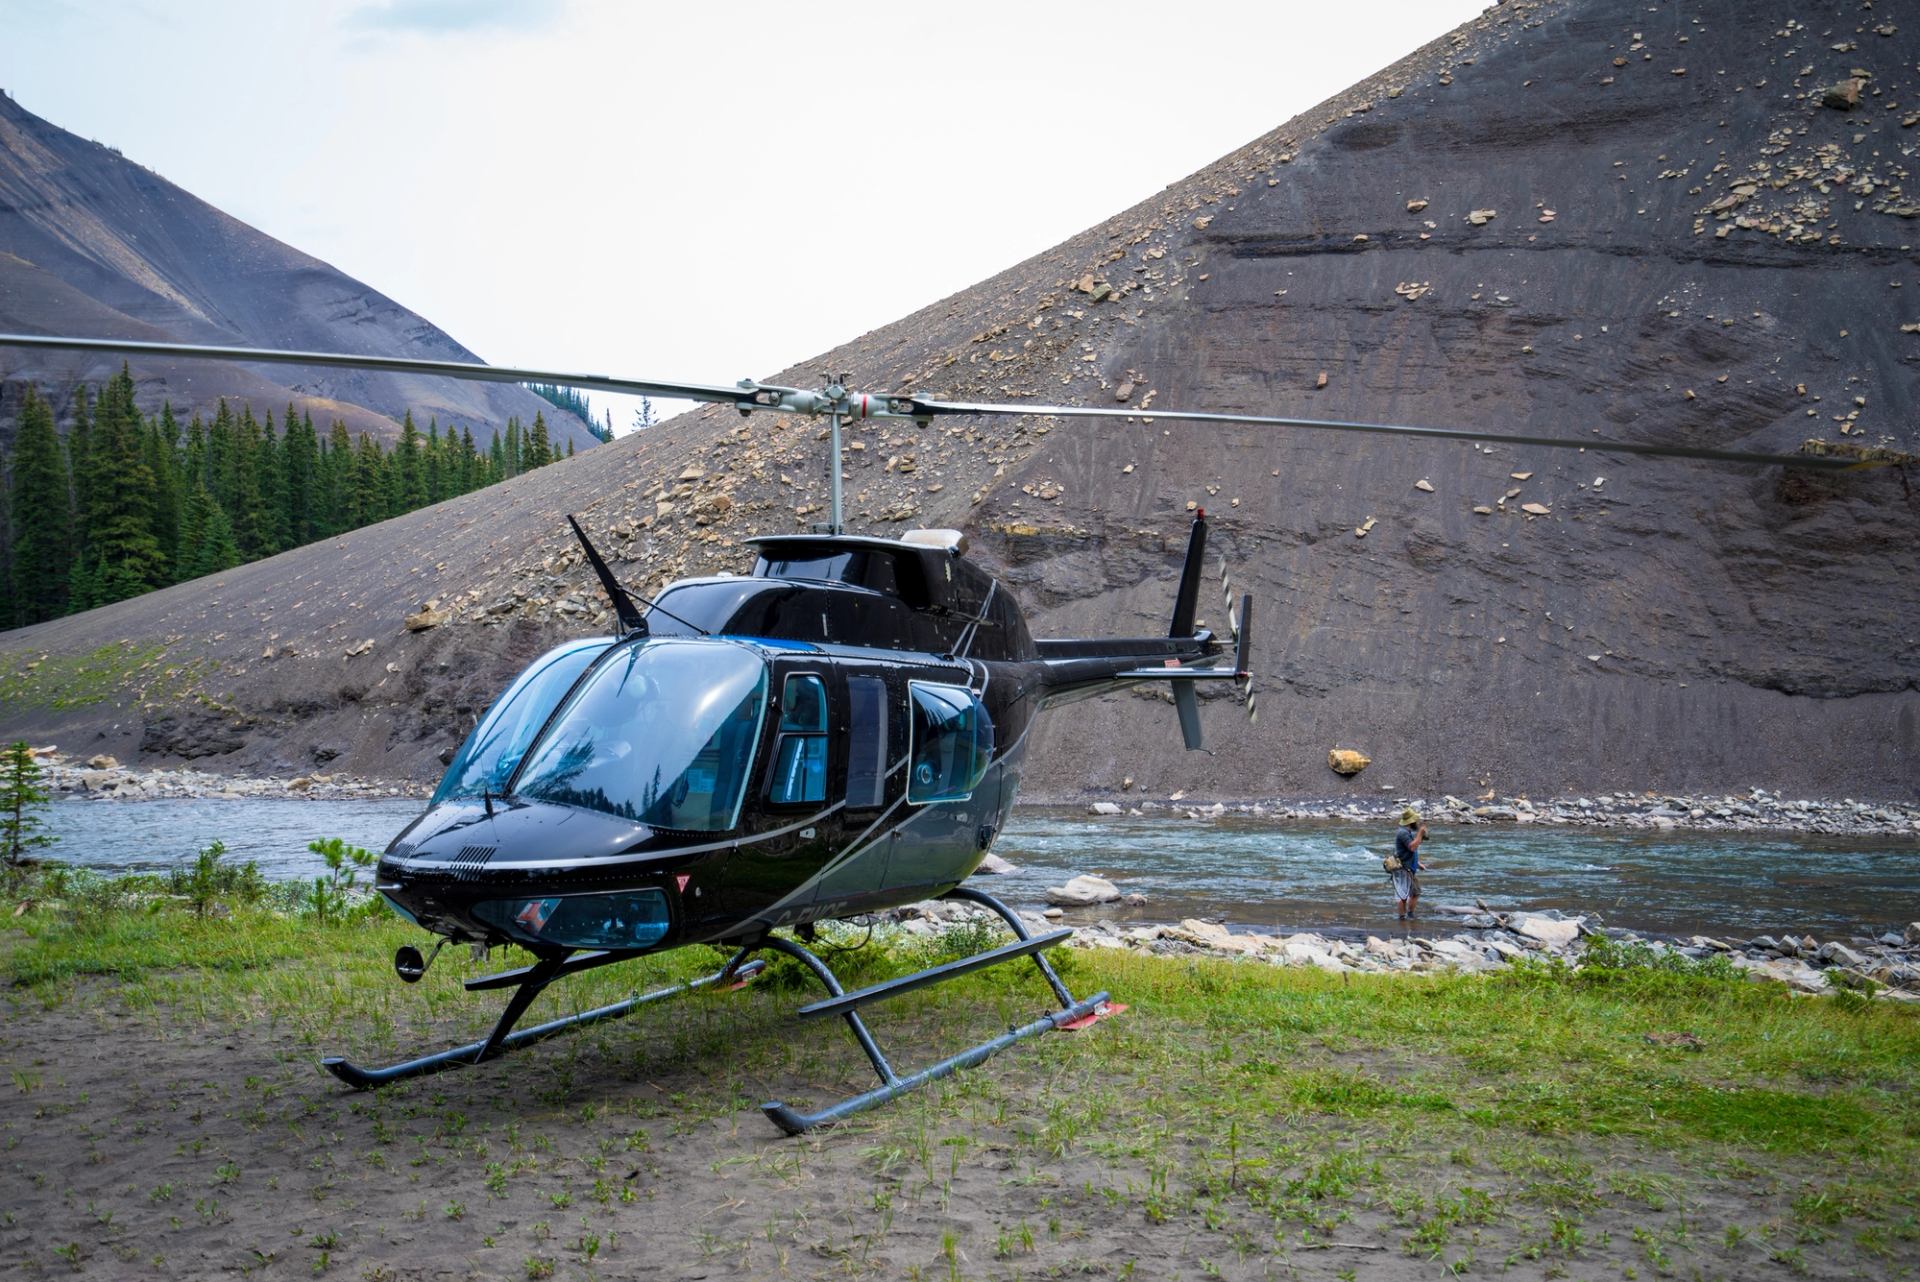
840 732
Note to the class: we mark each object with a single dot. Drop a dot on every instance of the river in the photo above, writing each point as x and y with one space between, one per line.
1248 872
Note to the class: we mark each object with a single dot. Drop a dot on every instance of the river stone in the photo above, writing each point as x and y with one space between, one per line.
1795 974
1103 808
1835 953
1913 934
1083 891
994 865
1545 930
1192 930
1506 950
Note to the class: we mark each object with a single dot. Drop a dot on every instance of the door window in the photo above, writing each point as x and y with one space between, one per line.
800 756
866 742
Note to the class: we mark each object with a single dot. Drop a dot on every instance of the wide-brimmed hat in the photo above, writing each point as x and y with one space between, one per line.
1409 816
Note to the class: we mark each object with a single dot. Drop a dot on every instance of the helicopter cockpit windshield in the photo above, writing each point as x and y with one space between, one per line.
487 759
662 733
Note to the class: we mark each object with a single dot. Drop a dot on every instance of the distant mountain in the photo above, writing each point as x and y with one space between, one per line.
93 244
1577 217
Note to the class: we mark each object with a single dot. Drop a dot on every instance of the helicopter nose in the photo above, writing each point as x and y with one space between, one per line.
462 839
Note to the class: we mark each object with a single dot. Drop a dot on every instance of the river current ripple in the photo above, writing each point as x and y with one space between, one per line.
1250 873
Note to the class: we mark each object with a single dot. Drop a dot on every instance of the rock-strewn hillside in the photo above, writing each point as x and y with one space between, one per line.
96 245
1589 217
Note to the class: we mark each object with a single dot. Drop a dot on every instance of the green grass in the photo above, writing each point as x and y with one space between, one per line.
1465 1119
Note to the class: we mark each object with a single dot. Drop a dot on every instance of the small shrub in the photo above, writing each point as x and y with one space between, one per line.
330 895
209 881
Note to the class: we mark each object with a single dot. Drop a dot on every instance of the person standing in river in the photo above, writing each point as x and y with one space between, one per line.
1406 847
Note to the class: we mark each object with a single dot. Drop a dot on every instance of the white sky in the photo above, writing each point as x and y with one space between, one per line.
695 192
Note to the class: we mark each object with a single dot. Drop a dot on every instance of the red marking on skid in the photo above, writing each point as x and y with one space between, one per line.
1091 1018
682 879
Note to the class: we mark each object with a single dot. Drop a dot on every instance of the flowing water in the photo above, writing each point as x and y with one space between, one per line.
1247 872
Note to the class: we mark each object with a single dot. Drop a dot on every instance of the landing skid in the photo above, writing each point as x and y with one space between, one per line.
892 1086
528 982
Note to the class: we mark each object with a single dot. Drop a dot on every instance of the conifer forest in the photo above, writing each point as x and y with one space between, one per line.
125 502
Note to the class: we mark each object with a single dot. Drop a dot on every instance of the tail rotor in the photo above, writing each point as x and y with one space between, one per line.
1240 624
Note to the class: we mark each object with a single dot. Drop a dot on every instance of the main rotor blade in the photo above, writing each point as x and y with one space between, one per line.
389 364
1388 429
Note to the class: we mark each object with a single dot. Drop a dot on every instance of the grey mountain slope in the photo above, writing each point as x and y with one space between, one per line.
1673 626
136 256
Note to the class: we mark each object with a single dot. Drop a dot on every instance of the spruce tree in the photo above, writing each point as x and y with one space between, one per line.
163 461
21 798
336 473
271 464
243 498
206 536
409 470
300 468
42 512
369 484
539 448
125 556
80 468
193 466
221 474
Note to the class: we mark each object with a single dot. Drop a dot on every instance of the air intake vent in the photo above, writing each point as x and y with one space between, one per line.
472 860
400 850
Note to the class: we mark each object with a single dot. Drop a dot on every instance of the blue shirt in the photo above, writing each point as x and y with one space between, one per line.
1403 847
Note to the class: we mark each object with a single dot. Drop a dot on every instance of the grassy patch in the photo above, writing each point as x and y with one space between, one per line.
121 670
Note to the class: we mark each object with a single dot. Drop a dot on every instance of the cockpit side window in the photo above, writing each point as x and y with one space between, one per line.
800 755
488 758
952 743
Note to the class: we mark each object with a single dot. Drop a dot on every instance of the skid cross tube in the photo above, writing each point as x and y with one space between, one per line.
531 979
933 974
892 1085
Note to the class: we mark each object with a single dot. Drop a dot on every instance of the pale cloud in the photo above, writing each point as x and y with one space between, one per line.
456 17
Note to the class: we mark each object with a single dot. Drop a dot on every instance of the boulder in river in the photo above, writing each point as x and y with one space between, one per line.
1083 891
992 865
1103 808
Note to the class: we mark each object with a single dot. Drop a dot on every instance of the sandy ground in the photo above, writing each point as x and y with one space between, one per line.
161 1141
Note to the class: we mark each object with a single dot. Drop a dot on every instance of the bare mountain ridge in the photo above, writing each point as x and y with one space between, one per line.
94 244
1663 625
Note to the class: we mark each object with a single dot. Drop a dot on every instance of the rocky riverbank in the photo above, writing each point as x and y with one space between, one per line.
1757 809
1460 938
104 778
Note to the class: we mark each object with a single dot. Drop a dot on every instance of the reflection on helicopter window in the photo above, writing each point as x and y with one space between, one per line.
800 757
486 760
952 743
662 734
